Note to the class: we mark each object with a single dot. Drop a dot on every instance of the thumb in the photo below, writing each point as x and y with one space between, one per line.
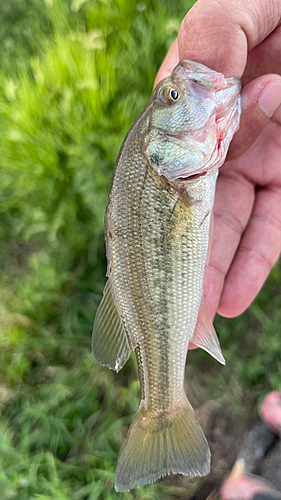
260 99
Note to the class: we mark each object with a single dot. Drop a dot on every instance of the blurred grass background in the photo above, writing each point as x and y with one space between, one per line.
74 75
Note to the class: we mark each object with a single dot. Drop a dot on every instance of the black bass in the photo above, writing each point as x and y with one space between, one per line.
158 223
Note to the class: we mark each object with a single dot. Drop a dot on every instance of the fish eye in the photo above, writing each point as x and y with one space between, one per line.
171 94
174 94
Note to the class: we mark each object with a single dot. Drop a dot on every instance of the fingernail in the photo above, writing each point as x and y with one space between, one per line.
270 97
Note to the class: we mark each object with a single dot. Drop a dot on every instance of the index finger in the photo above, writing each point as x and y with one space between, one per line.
220 33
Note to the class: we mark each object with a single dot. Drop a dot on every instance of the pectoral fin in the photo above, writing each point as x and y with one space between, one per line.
110 342
205 335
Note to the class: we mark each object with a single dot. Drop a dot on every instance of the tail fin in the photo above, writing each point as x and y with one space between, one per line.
161 444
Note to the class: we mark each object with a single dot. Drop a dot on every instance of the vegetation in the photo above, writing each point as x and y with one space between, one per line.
74 75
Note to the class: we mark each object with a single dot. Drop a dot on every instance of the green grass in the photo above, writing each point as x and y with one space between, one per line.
73 77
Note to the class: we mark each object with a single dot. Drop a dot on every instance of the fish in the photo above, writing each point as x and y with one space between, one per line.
158 231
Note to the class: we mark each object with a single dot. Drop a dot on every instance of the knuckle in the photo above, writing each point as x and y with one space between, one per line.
271 221
259 258
214 266
231 221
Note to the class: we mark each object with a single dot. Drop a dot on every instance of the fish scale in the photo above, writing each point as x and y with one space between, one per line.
157 238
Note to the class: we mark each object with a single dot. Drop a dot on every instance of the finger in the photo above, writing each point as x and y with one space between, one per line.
270 411
220 33
264 58
246 486
260 99
169 63
257 253
232 209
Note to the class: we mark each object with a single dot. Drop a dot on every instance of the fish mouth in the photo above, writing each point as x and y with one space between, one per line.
192 177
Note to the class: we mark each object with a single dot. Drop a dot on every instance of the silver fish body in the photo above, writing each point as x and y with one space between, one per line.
157 235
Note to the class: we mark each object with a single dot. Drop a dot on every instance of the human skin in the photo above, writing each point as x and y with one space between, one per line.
241 39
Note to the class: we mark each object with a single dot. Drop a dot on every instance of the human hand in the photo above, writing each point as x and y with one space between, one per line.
241 39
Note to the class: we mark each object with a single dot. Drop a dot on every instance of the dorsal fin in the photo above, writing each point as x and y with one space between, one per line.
109 342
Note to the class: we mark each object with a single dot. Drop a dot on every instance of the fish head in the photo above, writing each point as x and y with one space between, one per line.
190 121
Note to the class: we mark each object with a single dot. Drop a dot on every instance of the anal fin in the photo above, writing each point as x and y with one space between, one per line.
109 342
205 335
